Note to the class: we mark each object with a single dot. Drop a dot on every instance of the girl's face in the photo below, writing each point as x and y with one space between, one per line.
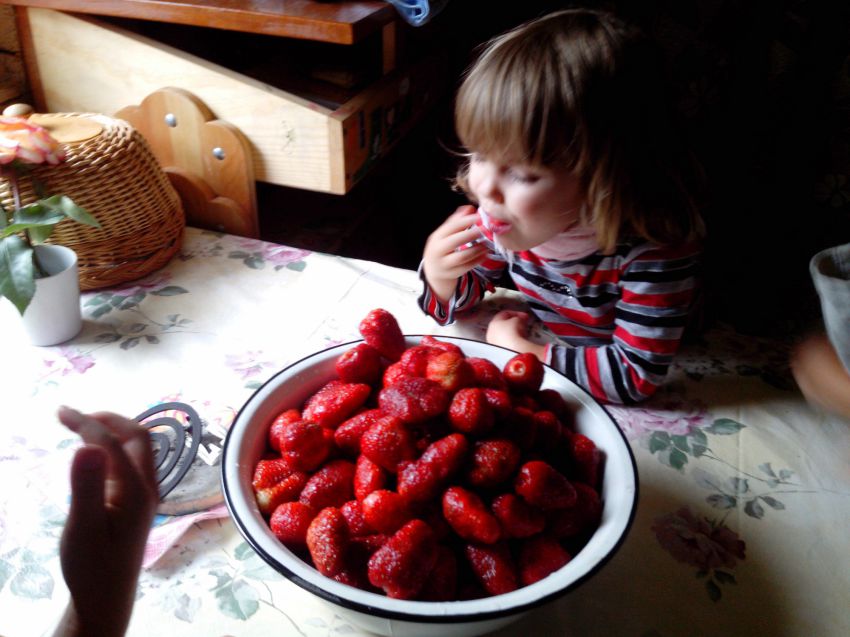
533 203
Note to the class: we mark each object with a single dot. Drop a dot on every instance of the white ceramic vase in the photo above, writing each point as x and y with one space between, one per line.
54 315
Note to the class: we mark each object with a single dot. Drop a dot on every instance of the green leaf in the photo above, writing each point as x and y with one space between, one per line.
681 443
253 384
239 600
32 581
698 450
17 274
298 266
766 468
255 263
243 552
98 299
722 501
754 509
32 216
785 474
170 290
725 578
739 485
678 459
107 337
137 327
724 427
698 437
773 503
659 441
132 301
6 571
103 309
72 210
130 343
238 254
40 234
714 592
153 340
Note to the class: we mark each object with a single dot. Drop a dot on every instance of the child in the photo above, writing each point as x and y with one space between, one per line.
581 200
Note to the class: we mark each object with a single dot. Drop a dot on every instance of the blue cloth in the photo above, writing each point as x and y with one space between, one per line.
418 12
830 270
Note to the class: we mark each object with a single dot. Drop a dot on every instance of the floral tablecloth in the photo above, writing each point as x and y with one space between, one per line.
742 523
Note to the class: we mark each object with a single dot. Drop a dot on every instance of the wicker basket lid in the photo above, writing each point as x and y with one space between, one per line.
111 172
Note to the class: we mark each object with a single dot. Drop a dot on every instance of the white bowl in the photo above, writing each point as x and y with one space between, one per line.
246 442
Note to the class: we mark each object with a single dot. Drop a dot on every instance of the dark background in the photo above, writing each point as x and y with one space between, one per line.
762 93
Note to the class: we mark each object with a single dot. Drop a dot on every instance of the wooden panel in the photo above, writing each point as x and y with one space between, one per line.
85 67
338 22
12 78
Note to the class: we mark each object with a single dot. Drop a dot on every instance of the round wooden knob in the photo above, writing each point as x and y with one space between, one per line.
67 129
17 110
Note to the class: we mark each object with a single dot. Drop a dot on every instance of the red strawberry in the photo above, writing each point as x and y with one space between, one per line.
521 427
493 462
450 370
544 487
469 517
517 517
581 517
423 479
355 577
327 541
413 399
469 412
276 482
335 402
487 374
524 372
388 442
548 429
539 557
306 444
402 565
352 511
385 511
414 360
368 477
394 373
552 400
500 401
290 522
347 435
360 364
587 458
380 330
290 415
441 584
493 567
443 346
330 486
268 473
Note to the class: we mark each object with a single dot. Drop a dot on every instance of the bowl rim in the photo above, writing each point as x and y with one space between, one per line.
369 609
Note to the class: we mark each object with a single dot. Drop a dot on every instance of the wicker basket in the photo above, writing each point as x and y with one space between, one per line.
114 176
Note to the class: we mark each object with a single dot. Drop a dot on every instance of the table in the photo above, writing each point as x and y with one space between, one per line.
741 527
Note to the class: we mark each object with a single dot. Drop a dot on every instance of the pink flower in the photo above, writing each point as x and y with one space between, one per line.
274 253
246 364
698 542
677 418
68 361
28 143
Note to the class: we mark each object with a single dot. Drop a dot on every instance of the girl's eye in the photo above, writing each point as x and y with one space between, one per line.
522 176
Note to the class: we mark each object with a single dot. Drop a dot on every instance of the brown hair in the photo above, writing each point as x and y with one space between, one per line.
581 89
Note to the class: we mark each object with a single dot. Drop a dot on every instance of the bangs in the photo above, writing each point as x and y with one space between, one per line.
517 105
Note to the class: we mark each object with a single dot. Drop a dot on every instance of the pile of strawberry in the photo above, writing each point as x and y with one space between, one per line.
426 474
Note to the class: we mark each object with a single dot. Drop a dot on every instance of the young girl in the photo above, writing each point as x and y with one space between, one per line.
581 202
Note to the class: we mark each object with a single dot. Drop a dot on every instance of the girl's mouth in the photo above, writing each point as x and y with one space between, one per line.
496 226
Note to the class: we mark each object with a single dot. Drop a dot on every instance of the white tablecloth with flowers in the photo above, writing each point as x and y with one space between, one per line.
742 524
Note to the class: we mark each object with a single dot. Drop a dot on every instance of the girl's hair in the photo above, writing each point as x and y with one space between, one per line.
581 89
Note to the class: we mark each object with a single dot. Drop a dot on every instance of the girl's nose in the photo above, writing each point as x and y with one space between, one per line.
490 189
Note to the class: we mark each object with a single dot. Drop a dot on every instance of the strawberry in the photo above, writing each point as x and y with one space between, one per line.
487 374
544 487
524 373
402 565
380 330
423 479
330 486
450 370
327 541
368 477
290 522
493 462
414 360
520 427
305 443
355 577
385 511
335 402
500 402
441 584
552 400
443 346
414 400
388 442
493 567
360 364
581 517
470 413
352 511
587 458
347 436
290 415
539 557
517 517
394 373
469 517
548 429
276 482
268 473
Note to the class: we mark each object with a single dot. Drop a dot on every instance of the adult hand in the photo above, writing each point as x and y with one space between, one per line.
443 262
114 497
510 329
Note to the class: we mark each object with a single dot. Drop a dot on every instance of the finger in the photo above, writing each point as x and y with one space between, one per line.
136 440
459 220
87 514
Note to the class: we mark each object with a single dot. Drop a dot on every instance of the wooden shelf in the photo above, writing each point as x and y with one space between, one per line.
334 22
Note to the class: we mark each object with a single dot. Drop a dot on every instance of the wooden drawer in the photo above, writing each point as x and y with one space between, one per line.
89 65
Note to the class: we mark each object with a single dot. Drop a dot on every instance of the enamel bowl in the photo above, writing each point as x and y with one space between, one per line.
246 442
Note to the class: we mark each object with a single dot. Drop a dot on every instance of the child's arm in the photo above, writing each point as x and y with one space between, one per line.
456 276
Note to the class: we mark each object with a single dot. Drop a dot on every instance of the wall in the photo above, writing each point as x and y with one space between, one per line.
13 87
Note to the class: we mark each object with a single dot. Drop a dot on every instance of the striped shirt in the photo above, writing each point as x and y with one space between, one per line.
620 317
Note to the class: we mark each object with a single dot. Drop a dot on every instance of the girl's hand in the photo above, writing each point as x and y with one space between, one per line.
114 496
510 329
442 262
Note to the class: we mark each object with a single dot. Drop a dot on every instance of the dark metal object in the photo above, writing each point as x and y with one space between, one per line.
172 467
